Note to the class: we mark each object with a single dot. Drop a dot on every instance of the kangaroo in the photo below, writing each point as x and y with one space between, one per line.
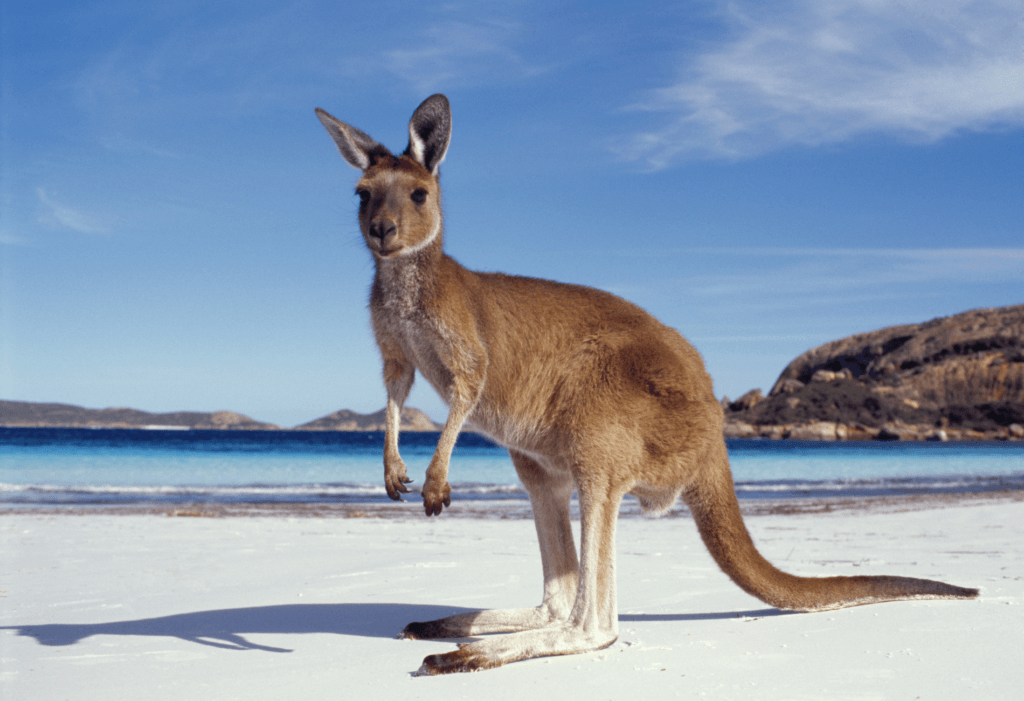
588 392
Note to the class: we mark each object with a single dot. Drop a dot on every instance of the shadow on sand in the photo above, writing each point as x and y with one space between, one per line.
226 628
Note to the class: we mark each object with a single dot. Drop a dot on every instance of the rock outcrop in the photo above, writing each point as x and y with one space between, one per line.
346 420
954 378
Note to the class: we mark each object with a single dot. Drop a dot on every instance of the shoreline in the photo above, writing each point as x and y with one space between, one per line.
898 432
518 509
813 431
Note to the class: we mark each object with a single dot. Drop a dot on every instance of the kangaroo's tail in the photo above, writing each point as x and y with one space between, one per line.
712 499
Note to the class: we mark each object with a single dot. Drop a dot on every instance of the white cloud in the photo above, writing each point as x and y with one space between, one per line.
812 72
57 215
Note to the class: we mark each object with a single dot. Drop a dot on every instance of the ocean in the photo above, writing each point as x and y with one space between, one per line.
83 467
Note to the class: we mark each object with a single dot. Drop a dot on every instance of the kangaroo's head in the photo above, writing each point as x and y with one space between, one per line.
399 196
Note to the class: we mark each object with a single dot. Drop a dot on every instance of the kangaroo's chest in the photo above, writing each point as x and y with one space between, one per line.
403 323
422 341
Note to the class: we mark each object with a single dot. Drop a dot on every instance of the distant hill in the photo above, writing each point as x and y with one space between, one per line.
40 415
346 420
31 414
956 377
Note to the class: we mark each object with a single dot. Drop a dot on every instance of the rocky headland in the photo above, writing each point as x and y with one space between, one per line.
954 378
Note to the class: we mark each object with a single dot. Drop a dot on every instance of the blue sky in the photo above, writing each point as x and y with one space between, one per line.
178 232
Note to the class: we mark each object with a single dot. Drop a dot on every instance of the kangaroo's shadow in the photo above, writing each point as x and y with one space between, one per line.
226 628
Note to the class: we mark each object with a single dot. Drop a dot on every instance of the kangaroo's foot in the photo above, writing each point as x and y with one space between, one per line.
494 652
481 623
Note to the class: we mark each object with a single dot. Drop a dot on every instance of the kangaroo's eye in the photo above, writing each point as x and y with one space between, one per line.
364 196
419 195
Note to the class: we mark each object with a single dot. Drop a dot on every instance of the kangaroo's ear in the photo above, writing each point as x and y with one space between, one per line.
430 130
357 148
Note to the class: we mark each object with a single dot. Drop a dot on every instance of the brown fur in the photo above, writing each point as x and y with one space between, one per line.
589 393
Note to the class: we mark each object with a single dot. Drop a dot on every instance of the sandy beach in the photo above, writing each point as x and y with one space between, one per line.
278 603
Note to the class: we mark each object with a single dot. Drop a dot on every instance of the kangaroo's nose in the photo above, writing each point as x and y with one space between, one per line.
382 229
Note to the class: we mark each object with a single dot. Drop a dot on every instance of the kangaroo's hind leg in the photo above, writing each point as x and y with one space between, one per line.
550 494
591 625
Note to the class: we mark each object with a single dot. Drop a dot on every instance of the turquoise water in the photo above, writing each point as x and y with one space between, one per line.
82 466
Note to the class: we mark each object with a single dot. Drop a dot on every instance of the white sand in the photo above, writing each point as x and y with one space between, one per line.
150 607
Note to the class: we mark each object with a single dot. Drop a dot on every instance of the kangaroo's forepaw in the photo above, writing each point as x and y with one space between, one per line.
435 497
396 490
461 660
395 481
